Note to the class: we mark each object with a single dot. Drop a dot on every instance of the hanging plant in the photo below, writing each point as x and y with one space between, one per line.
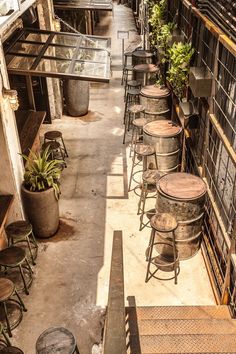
180 55
157 18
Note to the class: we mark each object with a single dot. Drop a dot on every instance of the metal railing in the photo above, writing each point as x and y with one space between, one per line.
115 334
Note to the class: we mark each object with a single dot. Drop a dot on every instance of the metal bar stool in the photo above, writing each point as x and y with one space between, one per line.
7 290
127 55
167 259
133 110
55 150
142 151
137 132
5 340
132 96
56 340
149 185
11 350
22 231
55 135
132 84
15 257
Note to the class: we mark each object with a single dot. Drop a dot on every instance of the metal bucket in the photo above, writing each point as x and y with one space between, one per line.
183 195
165 136
155 99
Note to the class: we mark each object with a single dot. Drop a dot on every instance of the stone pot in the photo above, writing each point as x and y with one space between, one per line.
77 97
42 211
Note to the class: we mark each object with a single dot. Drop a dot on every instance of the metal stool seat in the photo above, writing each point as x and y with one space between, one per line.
55 135
133 83
55 150
7 290
141 151
21 231
56 340
15 257
167 258
139 122
136 108
150 179
11 350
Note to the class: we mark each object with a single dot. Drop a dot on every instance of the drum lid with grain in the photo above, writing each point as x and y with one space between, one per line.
162 129
181 185
142 54
155 91
145 68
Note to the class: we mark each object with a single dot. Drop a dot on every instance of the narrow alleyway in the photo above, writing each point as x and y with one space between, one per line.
72 272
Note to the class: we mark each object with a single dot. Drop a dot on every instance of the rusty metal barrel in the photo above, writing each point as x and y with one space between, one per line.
157 102
142 57
183 195
145 73
166 137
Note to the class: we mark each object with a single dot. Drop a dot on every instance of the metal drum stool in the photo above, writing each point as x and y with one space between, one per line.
150 179
7 290
11 350
55 135
133 110
165 224
55 150
56 340
132 96
21 231
15 257
142 151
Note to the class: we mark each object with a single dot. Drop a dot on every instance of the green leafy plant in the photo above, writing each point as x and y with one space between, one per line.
42 172
180 55
158 13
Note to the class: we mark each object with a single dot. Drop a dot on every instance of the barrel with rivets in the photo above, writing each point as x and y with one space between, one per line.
166 137
157 101
183 195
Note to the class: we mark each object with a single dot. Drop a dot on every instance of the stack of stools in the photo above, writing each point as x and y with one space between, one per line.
133 111
132 97
132 84
56 340
141 152
127 68
167 258
150 179
7 291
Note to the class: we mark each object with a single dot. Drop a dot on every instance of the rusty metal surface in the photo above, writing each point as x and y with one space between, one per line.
182 312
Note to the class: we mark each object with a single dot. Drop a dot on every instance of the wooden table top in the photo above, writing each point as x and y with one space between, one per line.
181 185
142 54
162 128
145 68
164 222
155 91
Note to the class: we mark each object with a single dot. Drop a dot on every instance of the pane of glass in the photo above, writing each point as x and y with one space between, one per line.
54 66
27 48
37 37
92 55
93 43
65 39
90 69
21 63
60 52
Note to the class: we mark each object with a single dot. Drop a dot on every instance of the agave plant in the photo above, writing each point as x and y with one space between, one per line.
180 55
42 172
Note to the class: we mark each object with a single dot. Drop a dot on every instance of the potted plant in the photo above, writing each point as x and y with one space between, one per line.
40 192
180 55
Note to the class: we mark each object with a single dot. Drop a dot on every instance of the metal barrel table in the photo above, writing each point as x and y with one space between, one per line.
157 102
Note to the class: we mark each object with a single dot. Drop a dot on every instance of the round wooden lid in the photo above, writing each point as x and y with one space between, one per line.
155 91
145 68
181 185
142 54
162 128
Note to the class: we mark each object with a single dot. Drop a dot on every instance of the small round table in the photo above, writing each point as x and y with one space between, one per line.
143 72
56 340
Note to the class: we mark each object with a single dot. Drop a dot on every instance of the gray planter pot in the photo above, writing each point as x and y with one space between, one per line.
77 97
42 210
200 81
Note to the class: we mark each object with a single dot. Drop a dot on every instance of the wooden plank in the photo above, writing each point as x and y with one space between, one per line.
5 204
30 130
115 336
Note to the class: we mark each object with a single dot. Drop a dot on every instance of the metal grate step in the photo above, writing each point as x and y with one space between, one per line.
173 344
179 312
202 326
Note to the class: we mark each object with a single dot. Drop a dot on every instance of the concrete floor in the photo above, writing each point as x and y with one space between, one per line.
72 272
